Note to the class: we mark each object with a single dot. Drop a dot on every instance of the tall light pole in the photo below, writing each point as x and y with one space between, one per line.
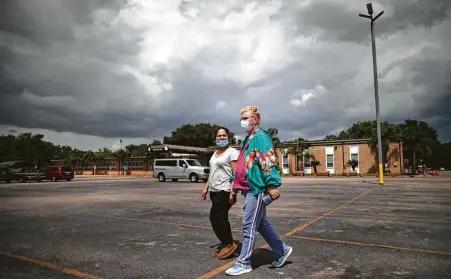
147 160
120 157
376 89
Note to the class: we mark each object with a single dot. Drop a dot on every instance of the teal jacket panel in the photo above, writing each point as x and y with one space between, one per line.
260 163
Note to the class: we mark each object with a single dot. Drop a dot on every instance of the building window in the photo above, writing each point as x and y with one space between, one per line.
355 157
330 161
330 158
285 162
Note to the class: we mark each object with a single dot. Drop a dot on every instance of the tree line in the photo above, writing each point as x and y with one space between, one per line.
420 141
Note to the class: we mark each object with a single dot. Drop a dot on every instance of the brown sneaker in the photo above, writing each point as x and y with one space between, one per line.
227 251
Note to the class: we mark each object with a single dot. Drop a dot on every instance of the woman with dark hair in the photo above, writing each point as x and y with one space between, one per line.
222 170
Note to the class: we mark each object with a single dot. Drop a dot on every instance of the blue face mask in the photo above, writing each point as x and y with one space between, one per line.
222 143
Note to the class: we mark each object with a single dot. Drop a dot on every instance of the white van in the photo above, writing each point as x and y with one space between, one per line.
180 168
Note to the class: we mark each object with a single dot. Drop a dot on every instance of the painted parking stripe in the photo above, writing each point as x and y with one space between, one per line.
68 271
363 244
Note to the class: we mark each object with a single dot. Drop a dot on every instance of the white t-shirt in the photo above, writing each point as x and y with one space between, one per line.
221 170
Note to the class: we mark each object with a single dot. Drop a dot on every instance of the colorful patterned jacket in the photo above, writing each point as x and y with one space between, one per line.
260 163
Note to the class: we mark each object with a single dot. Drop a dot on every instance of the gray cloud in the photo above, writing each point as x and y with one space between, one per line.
139 70
338 20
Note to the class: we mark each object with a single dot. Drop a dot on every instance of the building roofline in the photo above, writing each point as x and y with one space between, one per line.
179 148
316 143
12 162
330 142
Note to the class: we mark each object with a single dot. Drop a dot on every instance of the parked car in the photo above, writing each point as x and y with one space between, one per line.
55 173
181 168
27 174
5 174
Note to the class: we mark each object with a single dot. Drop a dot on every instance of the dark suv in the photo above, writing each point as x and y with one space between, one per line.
55 173
5 174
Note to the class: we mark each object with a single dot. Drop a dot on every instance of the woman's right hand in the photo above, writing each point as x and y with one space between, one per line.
204 193
232 198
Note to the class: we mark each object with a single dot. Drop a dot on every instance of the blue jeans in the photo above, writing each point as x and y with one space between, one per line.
255 219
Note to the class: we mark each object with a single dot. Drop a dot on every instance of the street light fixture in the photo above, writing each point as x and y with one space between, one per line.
369 7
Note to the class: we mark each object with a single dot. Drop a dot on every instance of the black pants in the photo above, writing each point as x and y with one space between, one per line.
219 216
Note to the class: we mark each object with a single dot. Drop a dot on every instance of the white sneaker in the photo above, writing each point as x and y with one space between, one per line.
238 269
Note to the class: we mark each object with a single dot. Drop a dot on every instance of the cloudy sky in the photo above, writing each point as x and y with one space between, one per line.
86 73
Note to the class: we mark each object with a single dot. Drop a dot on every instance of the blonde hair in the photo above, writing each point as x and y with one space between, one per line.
253 110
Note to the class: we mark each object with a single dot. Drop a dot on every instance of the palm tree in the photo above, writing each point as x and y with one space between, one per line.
353 163
72 159
99 157
313 162
299 151
121 155
89 159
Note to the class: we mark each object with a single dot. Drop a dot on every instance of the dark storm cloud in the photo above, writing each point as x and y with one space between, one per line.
113 70
84 69
334 20
46 21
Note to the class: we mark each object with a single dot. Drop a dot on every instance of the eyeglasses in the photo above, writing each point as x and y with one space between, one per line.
246 118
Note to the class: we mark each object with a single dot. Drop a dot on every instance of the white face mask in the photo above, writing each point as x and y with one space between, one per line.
245 124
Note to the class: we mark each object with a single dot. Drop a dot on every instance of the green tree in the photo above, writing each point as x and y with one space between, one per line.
137 150
418 138
73 158
30 147
353 163
89 158
122 156
442 156
389 133
199 135
359 130
313 161
156 142
273 133
331 137
367 129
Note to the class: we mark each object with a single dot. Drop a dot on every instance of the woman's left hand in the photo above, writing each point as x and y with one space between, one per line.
274 193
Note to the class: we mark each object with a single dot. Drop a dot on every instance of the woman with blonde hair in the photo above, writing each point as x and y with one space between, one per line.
258 178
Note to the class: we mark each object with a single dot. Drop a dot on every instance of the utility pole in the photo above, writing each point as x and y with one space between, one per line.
369 7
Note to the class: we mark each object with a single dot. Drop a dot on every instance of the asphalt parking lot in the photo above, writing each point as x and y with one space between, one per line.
140 228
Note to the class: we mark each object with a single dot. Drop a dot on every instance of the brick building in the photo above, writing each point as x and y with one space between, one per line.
333 157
